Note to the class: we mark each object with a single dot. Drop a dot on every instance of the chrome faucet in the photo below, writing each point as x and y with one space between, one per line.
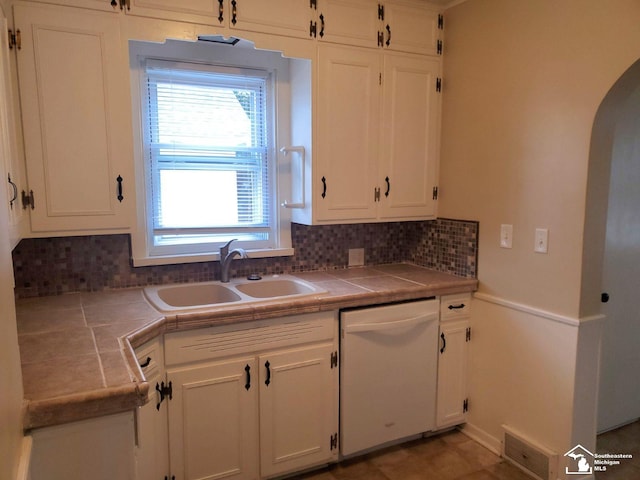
226 257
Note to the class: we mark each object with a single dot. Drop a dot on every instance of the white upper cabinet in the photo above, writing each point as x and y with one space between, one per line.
76 119
398 25
411 27
410 127
348 119
291 18
348 22
9 145
375 153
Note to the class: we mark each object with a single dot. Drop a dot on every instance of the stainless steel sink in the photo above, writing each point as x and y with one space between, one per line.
209 295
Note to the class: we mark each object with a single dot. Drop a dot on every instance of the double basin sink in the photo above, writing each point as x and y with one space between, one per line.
204 295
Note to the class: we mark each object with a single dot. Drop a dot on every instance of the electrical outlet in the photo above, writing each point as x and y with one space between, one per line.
356 257
506 236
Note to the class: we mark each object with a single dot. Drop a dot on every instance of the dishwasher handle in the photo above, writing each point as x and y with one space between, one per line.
380 326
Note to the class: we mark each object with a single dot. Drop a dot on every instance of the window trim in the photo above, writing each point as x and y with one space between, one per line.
143 252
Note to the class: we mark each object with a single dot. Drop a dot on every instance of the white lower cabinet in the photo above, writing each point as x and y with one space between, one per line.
255 400
99 448
213 421
152 448
297 409
455 334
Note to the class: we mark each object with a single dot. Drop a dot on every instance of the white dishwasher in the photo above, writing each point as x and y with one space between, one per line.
388 372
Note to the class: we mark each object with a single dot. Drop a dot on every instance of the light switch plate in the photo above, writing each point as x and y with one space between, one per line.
356 257
506 236
542 240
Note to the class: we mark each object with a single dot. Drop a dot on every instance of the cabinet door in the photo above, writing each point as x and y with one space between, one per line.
213 421
346 148
202 11
291 18
77 119
348 22
410 119
298 409
152 446
452 373
410 27
13 162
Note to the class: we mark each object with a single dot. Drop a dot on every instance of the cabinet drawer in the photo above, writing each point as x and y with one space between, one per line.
455 306
150 359
228 340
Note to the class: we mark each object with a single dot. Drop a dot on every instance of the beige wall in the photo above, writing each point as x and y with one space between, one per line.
522 83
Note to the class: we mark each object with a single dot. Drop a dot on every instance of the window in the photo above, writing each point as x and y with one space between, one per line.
210 123
207 141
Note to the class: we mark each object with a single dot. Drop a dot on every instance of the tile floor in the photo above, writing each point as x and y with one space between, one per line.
622 440
454 456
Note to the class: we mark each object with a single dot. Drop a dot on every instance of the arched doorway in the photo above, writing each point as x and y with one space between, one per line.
612 246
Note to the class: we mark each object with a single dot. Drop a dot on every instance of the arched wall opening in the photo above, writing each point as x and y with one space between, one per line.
611 254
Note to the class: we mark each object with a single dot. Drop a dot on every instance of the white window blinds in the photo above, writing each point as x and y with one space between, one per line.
207 145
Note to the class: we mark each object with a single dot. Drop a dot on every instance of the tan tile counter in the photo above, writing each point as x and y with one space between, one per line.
77 349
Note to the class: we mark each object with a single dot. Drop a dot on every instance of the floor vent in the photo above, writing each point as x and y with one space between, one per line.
536 460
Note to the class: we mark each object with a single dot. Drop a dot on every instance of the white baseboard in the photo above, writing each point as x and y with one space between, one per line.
25 458
482 437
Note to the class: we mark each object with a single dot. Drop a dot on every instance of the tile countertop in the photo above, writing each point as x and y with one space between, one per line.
77 350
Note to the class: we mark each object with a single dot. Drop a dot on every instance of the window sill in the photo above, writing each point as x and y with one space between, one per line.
212 257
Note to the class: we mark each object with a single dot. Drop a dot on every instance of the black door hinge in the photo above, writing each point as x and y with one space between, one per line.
440 22
333 441
380 12
15 39
313 4
438 84
465 405
468 334
312 28
164 391
439 47
435 193
334 359
28 200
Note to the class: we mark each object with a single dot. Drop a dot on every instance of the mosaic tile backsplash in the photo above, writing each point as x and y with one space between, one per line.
52 266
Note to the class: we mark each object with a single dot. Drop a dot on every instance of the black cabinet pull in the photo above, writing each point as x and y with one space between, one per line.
604 298
119 180
444 343
145 363
386 194
321 25
248 370
324 187
14 187
220 11
456 307
388 42
234 12
268 367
